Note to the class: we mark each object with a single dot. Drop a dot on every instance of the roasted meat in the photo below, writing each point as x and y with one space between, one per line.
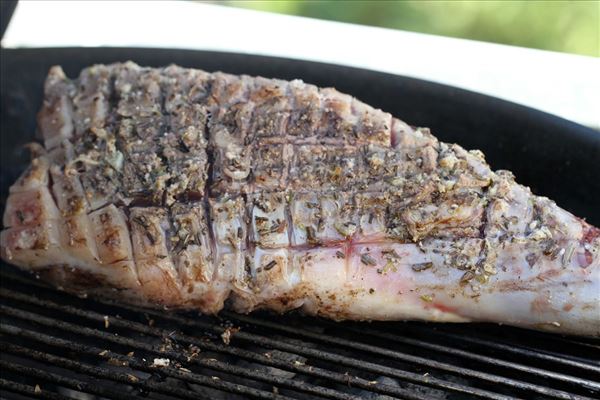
184 189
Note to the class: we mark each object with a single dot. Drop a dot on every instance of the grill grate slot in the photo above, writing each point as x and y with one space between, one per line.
582 367
61 380
173 355
29 391
523 351
128 379
431 346
65 342
263 341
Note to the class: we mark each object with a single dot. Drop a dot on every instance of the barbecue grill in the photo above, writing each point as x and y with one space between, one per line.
58 346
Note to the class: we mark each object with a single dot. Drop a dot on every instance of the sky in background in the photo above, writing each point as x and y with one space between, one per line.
565 26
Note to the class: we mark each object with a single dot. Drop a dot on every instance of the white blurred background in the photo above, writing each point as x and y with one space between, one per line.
560 83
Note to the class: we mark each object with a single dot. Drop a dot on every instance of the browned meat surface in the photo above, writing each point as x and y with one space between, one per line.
179 188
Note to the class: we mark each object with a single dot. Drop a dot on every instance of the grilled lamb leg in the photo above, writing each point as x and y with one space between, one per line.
179 188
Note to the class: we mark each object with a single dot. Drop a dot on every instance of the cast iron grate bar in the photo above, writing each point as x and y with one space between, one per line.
129 379
485 359
341 378
300 368
268 342
111 356
173 355
263 341
183 374
336 341
217 329
353 344
517 349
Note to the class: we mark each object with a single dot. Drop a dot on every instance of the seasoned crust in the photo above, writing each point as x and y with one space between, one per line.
187 188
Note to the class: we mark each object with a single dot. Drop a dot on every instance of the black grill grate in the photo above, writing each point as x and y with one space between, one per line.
58 346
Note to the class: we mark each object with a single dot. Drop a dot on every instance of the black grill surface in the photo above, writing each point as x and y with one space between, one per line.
55 345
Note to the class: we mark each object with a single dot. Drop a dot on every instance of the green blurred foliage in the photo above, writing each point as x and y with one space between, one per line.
567 26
